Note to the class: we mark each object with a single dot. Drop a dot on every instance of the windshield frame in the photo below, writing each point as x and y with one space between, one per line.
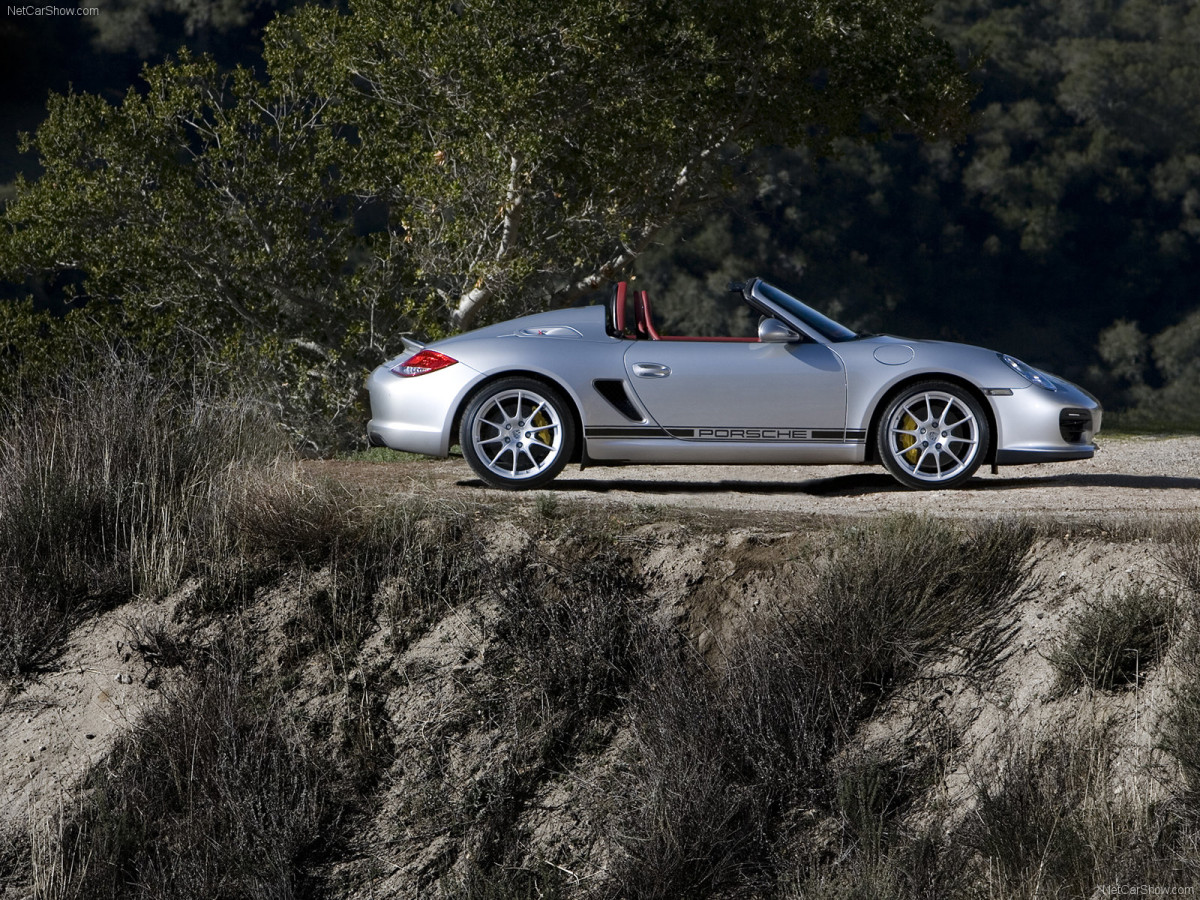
771 300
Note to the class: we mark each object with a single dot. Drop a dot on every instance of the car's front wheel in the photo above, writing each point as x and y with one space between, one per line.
934 434
517 433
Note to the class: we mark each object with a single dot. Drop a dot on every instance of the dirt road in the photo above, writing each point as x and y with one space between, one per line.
1130 477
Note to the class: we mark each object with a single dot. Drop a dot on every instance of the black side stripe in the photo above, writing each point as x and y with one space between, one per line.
653 432
644 431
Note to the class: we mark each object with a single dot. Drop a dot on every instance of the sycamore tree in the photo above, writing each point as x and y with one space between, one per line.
530 151
417 164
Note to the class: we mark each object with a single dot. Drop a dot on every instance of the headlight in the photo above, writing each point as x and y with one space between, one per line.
1029 373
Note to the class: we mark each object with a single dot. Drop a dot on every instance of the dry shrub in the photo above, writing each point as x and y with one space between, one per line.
214 795
1181 729
430 560
564 647
1029 829
897 593
102 484
1053 824
723 760
1114 642
569 636
1182 557
266 520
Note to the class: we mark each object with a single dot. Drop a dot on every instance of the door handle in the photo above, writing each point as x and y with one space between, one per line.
651 370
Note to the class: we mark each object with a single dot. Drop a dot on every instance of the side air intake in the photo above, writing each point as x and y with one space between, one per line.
613 390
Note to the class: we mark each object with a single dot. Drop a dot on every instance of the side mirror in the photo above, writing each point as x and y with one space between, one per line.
772 331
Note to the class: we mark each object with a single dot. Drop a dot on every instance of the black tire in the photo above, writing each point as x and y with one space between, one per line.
517 433
933 435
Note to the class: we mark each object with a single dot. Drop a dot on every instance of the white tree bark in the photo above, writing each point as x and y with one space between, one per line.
470 302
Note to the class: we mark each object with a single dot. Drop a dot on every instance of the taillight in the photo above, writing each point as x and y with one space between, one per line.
423 363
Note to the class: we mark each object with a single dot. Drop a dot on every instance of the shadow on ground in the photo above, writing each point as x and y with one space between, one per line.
855 485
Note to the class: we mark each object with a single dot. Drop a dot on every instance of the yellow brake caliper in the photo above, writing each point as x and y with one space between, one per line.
541 420
908 423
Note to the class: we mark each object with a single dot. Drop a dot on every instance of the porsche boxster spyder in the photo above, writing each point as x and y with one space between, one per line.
600 385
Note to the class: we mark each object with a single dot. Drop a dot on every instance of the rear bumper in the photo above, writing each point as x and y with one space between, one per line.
409 437
417 414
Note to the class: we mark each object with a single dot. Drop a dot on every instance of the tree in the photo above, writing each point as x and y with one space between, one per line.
209 221
1074 202
533 150
1165 394
425 163
145 26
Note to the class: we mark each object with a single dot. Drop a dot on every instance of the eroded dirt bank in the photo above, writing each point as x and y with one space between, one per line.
425 704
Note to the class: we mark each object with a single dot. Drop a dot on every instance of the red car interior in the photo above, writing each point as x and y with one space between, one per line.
643 323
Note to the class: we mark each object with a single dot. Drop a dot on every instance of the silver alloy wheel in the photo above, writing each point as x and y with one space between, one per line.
517 435
934 437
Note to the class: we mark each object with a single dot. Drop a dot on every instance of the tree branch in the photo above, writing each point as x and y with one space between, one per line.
469 303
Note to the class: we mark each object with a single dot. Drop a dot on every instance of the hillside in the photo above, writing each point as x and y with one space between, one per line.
499 696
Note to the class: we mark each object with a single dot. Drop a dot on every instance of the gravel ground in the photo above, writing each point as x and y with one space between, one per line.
1131 477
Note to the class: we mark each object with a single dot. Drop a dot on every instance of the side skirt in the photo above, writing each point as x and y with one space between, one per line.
603 446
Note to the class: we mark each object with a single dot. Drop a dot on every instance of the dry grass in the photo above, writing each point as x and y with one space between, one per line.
724 761
1115 642
216 794
1055 824
104 489
737 776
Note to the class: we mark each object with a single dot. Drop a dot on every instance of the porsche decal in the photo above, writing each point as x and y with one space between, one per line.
706 433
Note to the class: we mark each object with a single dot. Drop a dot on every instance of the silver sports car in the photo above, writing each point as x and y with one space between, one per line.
599 385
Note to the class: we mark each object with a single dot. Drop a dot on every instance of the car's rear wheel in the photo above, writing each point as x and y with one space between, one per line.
517 433
934 434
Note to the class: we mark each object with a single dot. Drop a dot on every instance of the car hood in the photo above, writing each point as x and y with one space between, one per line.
980 364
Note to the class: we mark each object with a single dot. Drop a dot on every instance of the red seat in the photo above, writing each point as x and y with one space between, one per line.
644 326
641 310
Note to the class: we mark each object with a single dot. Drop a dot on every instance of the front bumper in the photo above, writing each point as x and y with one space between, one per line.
1028 456
1035 425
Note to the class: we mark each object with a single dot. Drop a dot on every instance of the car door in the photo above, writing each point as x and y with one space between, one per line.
741 390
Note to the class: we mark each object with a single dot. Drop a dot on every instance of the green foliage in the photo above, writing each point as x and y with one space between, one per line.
1072 204
144 26
533 150
407 164
1174 401
209 218
34 348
